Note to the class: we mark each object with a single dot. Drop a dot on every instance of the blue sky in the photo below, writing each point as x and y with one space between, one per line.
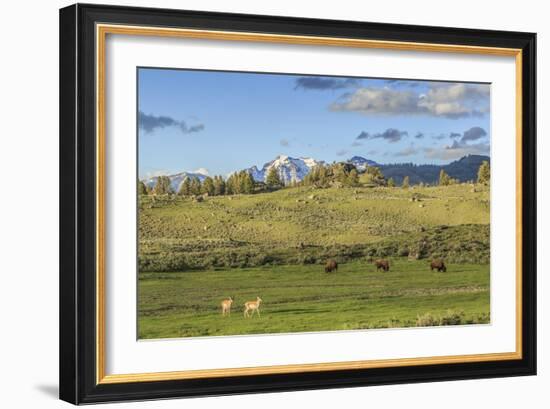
226 121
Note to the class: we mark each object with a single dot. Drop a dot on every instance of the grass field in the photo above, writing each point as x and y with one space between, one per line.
305 225
305 298
193 254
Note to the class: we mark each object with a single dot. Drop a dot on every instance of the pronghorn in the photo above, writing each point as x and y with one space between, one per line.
252 306
226 306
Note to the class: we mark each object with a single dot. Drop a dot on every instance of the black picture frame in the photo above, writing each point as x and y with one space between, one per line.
78 359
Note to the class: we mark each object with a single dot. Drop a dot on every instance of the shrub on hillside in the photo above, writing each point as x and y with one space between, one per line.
403 252
451 317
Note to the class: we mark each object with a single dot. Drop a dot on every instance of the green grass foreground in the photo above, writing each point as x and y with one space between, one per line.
298 298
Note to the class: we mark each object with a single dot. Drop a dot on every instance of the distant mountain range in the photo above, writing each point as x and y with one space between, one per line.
463 169
289 169
295 169
175 180
361 163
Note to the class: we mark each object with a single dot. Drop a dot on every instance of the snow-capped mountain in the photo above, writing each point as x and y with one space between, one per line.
175 180
361 163
289 169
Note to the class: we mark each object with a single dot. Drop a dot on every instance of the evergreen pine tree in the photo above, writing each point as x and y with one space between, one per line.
162 186
230 185
353 178
340 174
185 187
222 185
240 181
484 173
247 182
208 186
322 176
273 180
219 186
195 188
444 179
375 175
391 182
313 177
142 189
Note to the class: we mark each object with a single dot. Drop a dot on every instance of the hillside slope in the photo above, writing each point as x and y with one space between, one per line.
305 225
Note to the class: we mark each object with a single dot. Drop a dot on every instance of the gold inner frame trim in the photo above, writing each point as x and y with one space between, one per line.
101 33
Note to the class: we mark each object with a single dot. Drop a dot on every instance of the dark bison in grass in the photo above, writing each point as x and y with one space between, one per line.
438 265
382 264
331 266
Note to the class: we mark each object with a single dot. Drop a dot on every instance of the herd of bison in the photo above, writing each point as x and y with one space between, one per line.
384 265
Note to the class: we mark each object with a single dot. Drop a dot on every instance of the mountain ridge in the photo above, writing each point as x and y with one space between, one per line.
295 169
175 179
463 169
289 169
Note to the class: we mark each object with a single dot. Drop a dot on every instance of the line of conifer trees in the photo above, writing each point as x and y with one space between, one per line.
237 183
343 174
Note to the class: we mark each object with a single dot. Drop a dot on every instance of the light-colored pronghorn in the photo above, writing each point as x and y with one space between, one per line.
253 306
226 306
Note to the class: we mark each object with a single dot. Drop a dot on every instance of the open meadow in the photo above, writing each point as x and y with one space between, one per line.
305 298
194 252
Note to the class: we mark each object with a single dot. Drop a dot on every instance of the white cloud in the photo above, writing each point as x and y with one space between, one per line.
446 100
371 100
408 151
155 173
456 100
457 150
202 171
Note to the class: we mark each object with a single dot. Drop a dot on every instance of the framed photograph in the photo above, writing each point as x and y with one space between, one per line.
257 203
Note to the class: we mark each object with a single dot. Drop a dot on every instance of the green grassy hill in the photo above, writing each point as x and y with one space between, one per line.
305 225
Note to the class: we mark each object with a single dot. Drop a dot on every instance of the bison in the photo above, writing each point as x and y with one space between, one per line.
331 266
438 265
382 264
